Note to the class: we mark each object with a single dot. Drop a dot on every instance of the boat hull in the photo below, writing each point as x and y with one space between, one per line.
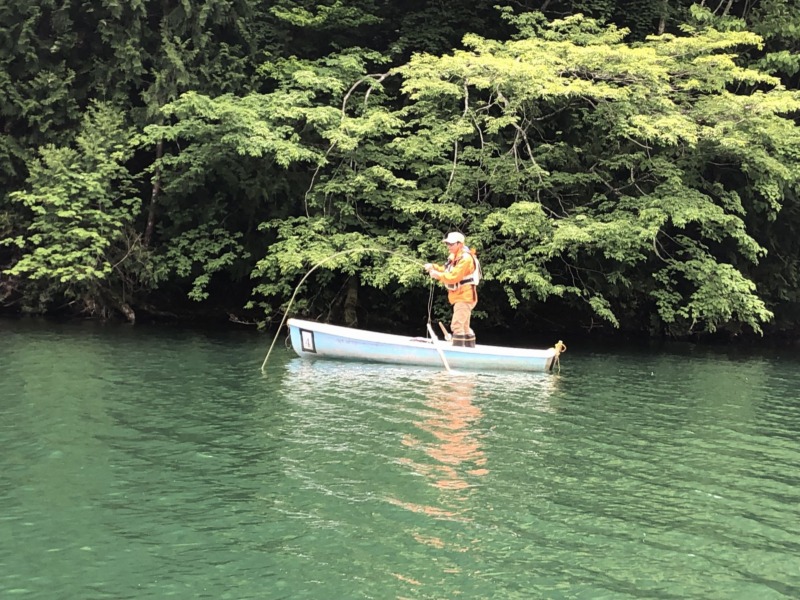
322 341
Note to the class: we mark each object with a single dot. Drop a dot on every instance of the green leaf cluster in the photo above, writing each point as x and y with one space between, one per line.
81 207
628 164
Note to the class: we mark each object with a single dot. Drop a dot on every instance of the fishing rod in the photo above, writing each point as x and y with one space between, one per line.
319 264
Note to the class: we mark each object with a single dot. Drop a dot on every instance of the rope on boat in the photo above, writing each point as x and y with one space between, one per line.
430 312
314 268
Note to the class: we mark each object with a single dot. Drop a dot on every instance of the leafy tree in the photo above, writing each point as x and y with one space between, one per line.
79 245
57 57
586 169
602 173
776 21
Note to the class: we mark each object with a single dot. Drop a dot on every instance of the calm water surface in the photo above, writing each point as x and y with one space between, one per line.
160 463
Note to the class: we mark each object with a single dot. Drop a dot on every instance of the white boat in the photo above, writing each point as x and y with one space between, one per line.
322 341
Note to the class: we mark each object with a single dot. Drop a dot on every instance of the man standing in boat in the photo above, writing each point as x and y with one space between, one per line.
460 276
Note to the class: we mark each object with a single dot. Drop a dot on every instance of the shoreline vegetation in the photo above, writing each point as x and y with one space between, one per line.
624 170
527 336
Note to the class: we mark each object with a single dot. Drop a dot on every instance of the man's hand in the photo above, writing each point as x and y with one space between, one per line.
431 271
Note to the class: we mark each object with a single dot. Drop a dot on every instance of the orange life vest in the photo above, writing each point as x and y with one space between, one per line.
458 276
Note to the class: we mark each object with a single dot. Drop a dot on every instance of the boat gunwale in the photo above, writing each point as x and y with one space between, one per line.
416 342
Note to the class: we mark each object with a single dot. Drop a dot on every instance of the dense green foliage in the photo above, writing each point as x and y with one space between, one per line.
618 169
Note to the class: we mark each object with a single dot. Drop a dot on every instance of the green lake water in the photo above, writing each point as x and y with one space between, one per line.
158 462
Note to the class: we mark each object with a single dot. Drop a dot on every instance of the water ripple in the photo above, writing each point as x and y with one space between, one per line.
154 464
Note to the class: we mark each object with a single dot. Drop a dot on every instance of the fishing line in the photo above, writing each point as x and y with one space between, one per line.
319 264
430 302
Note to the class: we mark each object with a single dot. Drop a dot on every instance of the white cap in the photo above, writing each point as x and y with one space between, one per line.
454 237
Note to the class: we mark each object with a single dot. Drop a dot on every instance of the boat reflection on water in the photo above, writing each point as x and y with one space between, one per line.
418 442
395 382
448 443
436 415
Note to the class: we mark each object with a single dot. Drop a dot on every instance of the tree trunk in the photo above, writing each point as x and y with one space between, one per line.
126 310
662 22
351 302
727 8
156 190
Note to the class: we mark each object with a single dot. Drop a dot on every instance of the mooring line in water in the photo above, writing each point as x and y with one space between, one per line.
311 270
